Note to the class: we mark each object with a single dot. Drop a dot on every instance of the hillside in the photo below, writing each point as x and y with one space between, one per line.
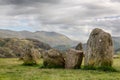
13 47
51 38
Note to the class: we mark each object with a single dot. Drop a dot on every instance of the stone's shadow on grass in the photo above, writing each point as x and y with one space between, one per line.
103 68
57 67
88 68
32 65
108 69
51 67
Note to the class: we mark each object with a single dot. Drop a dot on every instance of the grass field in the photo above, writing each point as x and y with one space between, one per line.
11 69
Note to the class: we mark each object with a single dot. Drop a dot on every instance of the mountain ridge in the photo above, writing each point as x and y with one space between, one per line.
51 38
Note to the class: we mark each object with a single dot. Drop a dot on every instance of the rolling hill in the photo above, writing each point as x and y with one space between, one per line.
51 38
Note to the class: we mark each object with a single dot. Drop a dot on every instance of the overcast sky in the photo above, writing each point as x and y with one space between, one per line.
74 18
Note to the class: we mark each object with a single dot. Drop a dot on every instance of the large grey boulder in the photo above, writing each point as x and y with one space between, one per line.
53 59
99 49
73 59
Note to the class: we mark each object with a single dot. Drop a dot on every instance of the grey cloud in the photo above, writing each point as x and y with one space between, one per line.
74 20
93 6
60 13
115 0
111 26
26 2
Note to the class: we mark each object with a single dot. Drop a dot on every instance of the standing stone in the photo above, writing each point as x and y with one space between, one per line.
53 59
99 49
73 59
79 47
31 56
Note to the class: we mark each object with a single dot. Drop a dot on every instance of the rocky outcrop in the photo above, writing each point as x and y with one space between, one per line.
99 49
73 59
53 59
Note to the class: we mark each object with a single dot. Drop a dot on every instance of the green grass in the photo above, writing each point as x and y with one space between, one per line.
12 69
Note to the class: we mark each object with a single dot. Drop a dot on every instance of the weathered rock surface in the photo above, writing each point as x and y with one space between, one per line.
42 52
31 56
79 47
53 59
73 59
99 49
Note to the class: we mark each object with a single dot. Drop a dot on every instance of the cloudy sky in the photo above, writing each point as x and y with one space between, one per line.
74 18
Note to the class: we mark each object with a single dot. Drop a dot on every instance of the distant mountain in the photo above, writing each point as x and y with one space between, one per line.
116 41
51 38
63 47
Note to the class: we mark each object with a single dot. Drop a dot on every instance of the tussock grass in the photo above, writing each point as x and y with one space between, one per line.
108 69
103 68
